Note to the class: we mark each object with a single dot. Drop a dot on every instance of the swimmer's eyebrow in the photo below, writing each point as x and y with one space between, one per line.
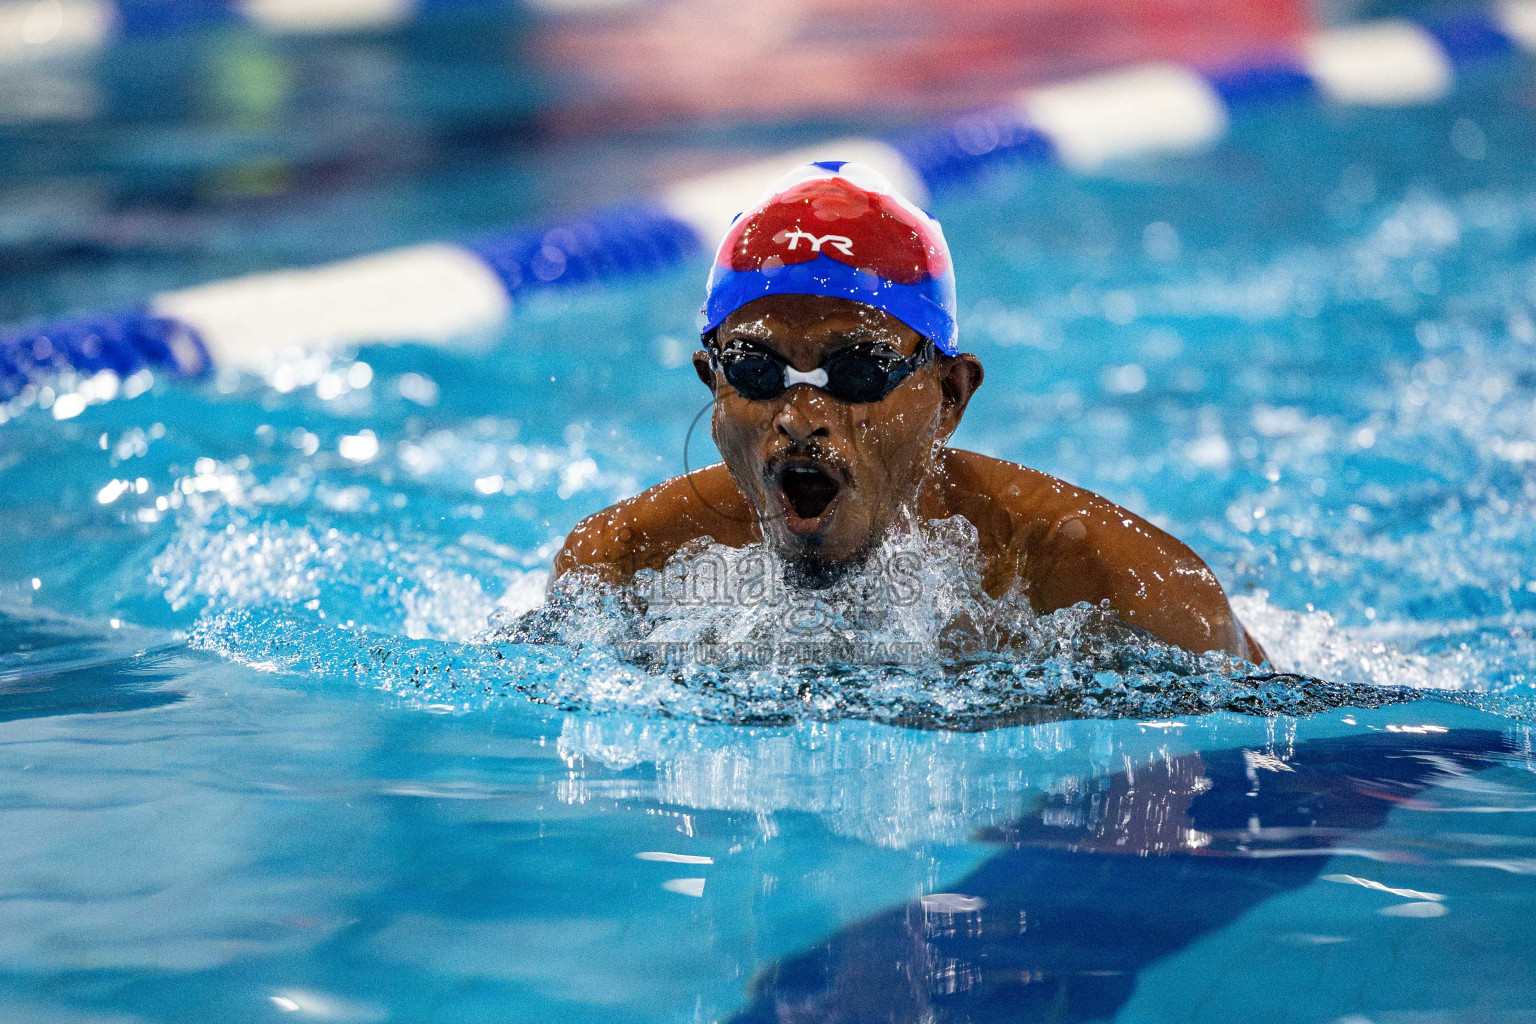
835 341
749 332
860 336
857 336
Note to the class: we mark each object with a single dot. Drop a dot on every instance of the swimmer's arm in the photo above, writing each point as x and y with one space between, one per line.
1101 552
1067 545
646 530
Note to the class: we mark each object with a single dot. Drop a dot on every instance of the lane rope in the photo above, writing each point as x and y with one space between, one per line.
436 292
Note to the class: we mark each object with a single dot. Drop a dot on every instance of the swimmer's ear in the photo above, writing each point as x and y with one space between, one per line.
703 369
961 375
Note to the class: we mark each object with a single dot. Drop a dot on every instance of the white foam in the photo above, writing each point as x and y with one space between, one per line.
952 903
710 202
1312 643
1385 63
1154 108
1370 883
673 858
428 293
1419 910
219 559
910 597
322 1006
685 886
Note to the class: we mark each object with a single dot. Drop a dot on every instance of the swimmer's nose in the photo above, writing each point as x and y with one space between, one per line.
800 419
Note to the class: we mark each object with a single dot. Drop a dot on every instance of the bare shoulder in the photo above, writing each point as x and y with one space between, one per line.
643 531
1020 490
1067 544
1031 513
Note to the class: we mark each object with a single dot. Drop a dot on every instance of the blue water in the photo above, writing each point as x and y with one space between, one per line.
261 759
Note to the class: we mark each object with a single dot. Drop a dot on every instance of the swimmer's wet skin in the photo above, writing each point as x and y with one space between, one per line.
831 349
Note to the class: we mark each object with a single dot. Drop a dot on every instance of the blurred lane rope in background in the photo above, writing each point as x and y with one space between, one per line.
436 292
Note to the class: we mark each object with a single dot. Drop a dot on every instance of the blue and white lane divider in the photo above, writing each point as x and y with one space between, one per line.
436 292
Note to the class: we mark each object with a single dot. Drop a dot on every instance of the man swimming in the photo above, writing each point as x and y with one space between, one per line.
830 344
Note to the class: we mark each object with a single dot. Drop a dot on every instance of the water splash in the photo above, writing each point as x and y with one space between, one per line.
1401 502
730 635
396 583
910 638
1312 642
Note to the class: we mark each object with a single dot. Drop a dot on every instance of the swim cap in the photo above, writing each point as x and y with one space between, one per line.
839 229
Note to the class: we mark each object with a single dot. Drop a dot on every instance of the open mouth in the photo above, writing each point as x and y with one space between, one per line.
807 491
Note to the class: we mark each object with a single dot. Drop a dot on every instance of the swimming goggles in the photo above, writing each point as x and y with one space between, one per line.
865 372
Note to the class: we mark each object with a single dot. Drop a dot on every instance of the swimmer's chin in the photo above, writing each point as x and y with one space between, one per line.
820 559
814 572
814 541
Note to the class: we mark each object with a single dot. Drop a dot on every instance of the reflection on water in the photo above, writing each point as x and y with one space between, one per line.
1099 882
293 840
53 666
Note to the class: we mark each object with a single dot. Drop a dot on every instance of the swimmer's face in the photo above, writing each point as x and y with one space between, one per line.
829 478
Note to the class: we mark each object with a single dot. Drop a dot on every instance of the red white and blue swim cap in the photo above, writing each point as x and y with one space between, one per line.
839 229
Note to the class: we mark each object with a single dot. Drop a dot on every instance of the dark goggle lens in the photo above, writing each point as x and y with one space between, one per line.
855 377
862 378
753 376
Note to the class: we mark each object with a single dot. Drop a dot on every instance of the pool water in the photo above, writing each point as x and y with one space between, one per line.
274 743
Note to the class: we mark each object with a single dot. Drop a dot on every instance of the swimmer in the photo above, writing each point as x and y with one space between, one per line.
830 345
